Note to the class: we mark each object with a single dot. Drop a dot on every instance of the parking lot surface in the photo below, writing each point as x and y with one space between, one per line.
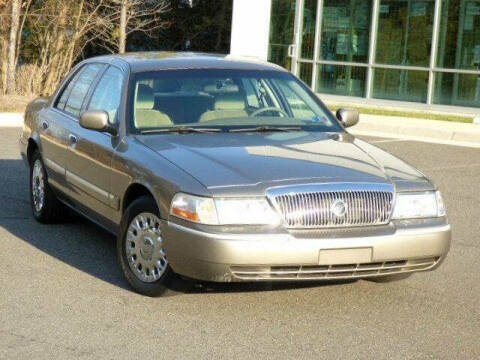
62 294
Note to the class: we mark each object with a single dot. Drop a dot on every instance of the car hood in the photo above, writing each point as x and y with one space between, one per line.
249 163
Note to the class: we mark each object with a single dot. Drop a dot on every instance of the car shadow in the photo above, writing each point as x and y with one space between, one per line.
88 248
74 241
183 286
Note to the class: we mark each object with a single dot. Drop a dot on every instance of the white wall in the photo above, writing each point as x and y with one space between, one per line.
250 28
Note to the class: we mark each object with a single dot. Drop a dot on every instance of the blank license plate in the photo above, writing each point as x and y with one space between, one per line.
345 256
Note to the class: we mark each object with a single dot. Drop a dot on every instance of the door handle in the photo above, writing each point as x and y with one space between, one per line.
44 125
73 139
291 50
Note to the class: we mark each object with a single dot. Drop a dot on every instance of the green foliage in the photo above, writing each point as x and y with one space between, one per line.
206 25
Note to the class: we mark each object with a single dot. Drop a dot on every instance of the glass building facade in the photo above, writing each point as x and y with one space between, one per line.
425 51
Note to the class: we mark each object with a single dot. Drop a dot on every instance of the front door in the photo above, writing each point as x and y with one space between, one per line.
89 161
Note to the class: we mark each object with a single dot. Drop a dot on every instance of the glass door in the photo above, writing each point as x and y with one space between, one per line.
282 34
306 24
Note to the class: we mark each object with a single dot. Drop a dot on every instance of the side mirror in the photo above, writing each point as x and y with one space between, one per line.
97 120
348 117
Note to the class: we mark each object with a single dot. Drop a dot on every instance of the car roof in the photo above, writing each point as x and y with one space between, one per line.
151 61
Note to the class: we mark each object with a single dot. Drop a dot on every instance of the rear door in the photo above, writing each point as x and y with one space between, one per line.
89 161
54 122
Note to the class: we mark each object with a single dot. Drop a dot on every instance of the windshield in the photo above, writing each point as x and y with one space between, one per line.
225 100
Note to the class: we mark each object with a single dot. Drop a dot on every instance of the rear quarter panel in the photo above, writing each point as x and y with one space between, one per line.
30 128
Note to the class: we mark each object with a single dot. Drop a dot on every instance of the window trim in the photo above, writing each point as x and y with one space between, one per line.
91 91
70 79
93 86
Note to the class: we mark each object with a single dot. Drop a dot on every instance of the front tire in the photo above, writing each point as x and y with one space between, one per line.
46 208
140 248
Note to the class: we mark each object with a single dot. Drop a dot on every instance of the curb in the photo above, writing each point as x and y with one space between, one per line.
414 138
11 119
434 131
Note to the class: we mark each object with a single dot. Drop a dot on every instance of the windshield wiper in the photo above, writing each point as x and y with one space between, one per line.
266 128
183 130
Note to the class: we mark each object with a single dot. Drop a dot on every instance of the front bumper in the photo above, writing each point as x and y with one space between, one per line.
224 257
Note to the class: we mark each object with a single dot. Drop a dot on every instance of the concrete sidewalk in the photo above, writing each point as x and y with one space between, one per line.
11 119
434 131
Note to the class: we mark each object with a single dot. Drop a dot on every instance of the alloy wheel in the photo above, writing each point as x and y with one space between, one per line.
38 186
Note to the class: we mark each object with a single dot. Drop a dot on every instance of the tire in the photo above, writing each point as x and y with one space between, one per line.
46 208
140 249
389 278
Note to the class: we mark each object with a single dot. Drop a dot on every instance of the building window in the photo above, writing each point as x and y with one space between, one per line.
457 89
342 80
308 31
403 85
405 30
345 30
339 55
459 44
305 72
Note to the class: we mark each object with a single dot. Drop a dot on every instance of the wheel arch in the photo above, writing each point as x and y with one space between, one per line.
31 148
136 190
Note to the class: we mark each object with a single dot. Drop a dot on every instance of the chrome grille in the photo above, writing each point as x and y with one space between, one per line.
318 272
334 205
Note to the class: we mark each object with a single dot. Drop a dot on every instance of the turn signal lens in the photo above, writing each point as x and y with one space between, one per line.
440 204
194 208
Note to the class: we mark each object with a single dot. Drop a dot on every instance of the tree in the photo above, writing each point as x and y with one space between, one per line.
122 40
204 24
5 18
124 17
58 33
12 46
40 40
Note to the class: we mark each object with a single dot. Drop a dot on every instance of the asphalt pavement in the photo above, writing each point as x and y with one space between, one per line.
62 294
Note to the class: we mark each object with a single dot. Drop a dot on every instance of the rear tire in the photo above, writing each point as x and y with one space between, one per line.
140 248
389 278
46 208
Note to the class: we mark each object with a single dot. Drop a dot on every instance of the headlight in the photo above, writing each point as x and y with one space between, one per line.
245 212
418 205
223 211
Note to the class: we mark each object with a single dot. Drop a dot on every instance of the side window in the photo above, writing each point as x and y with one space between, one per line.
66 91
108 93
80 89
